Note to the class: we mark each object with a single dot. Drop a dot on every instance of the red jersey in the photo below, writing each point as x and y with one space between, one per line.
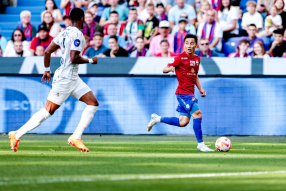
37 42
120 29
187 68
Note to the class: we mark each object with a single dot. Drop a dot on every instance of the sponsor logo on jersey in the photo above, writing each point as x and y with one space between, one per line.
77 42
192 63
184 58
197 62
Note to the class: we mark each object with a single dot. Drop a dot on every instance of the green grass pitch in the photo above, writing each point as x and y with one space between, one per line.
47 162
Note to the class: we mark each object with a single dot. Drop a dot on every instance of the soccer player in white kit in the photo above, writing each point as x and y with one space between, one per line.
66 82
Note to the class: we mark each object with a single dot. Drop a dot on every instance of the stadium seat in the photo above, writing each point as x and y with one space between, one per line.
267 42
228 47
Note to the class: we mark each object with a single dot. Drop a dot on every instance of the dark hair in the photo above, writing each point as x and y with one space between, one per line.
55 6
252 25
66 17
114 37
191 36
23 35
98 34
113 12
279 31
244 41
76 14
139 37
164 40
222 7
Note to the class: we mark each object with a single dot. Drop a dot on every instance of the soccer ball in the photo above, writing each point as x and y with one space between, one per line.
223 144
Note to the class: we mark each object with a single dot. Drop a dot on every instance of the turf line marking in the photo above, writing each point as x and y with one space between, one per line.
94 178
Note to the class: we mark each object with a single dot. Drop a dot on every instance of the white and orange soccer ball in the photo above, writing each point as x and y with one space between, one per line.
223 144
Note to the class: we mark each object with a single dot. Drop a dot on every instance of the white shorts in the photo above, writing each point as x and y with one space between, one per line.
63 88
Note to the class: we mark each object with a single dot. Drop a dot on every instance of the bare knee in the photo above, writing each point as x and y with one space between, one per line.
93 102
184 121
197 114
51 107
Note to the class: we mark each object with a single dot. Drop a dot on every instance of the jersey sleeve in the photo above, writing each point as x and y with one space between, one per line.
174 61
199 60
56 40
77 42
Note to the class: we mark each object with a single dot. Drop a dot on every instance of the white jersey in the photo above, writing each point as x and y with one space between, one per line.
69 39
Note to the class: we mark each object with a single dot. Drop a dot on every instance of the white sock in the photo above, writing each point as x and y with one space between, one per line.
34 122
86 118
201 144
158 119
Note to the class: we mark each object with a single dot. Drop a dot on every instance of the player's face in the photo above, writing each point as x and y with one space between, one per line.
190 45
88 18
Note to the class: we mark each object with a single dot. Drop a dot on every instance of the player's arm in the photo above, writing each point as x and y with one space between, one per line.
76 58
171 66
198 84
47 59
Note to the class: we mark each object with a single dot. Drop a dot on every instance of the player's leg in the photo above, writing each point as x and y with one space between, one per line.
83 93
197 126
36 120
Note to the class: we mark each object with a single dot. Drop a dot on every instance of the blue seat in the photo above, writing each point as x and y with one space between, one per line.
220 54
229 47
233 39
17 10
267 42
35 3
16 18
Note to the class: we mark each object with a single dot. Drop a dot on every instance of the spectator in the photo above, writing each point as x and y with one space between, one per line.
17 35
151 25
28 29
177 10
172 3
114 19
143 14
205 6
165 50
215 4
39 51
191 29
278 47
19 52
112 31
133 3
53 27
98 49
205 50
272 22
3 44
86 3
155 46
67 21
140 48
212 31
252 38
51 6
90 26
68 5
44 39
227 17
279 4
160 12
120 9
259 51
242 49
86 45
180 36
92 7
263 6
243 6
251 17
1 52
134 28
115 50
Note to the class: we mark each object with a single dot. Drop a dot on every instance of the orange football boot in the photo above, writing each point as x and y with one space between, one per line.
77 143
13 141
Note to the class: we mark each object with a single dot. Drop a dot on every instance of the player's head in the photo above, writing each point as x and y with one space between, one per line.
77 15
190 43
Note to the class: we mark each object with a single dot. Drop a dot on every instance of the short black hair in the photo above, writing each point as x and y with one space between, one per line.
23 35
252 25
279 31
139 37
55 5
164 40
113 12
114 37
76 14
244 41
98 34
191 36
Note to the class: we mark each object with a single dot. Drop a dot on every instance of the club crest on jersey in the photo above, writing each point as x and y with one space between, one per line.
192 63
77 42
193 99
197 62
172 60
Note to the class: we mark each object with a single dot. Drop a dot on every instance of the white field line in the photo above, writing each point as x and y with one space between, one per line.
93 178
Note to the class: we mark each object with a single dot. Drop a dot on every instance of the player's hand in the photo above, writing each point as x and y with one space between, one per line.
203 93
46 77
94 60
172 69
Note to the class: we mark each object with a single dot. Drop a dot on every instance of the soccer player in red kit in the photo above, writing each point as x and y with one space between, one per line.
186 66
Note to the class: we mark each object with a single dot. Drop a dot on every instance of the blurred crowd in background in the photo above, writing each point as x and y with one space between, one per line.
157 28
